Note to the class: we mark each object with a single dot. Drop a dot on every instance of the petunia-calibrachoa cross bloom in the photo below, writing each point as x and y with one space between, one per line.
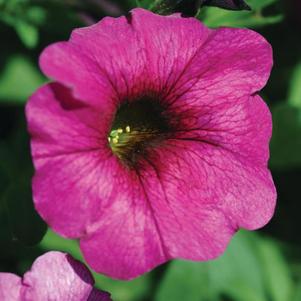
152 142
54 276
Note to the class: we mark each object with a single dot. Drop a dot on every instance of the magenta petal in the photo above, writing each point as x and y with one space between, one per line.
243 128
10 287
49 112
54 276
126 232
194 195
69 65
125 57
57 276
170 44
136 246
218 180
129 240
231 64
63 195
98 69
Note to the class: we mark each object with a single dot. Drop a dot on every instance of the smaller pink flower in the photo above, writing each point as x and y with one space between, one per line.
54 276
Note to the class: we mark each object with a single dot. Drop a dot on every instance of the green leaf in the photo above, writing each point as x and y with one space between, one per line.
184 280
53 241
26 224
36 15
286 140
278 277
294 97
215 17
239 291
25 19
19 79
238 273
297 293
28 33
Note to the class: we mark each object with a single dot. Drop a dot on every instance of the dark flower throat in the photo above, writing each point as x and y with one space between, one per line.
138 126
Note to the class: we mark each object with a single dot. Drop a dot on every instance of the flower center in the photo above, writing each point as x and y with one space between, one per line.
138 126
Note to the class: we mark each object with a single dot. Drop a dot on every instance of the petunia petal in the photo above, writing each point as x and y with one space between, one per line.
172 56
145 227
243 128
10 287
124 60
232 63
215 178
63 129
70 191
197 193
169 43
59 124
126 231
69 65
57 276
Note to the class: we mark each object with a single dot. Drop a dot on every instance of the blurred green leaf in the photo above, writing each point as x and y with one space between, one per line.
144 3
24 18
278 277
184 280
53 241
294 96
215 17
36 15
26 224
286 140
28 33
134 290
241 291
297 293
237 273
19 79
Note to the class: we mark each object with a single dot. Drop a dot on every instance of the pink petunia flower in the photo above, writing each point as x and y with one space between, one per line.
54 276
152 143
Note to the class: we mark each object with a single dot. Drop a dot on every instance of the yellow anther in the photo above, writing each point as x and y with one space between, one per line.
115 140
109 139
119 131
128 129
114 133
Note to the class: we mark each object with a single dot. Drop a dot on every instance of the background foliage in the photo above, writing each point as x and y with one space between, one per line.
258 266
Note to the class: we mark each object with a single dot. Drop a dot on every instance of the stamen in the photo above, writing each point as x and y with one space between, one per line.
115 140
138 126
124 142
